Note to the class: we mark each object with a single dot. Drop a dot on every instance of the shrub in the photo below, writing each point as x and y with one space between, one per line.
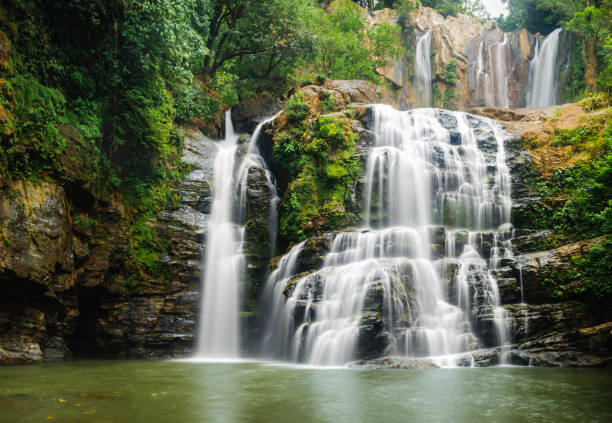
596 101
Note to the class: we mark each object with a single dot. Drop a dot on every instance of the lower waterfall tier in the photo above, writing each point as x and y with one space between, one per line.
381 293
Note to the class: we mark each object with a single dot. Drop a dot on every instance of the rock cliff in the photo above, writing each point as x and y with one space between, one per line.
492 67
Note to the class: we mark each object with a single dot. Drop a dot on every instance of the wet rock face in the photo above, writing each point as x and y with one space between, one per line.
166 309
559 335
492 51
313 254
257 247
64 278
37 261
249 113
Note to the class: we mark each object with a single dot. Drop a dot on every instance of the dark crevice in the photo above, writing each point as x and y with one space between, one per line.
85 342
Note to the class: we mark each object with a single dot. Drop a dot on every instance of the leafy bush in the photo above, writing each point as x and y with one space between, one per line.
288 152
321 171
30 141
224 85
574 136
596 101
296 110
328 102
346 48
586 213
450 72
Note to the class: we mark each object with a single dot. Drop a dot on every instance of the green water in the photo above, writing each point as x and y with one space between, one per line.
162 391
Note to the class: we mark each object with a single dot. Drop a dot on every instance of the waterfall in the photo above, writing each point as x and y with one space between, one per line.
224 264
499 64
422 70
492 73
417 280
253 159
542 80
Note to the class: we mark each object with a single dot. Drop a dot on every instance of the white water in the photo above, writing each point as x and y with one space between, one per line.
542 79
416 181
493 73
422 71
253 159
219 329
224 263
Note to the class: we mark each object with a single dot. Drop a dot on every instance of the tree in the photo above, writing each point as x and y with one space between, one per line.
595 25
258 41
445 7
541 16
346 47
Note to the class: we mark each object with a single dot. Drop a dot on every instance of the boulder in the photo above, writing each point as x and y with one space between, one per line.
250 112
394 363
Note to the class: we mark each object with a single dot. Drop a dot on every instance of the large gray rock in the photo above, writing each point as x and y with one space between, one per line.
394 363
249 113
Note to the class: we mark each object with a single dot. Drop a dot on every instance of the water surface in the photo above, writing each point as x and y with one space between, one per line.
164 391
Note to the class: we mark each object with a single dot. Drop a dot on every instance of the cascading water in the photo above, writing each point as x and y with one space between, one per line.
219 329
224 263
492 73
542 80
499 62
422 70
253 159
417 280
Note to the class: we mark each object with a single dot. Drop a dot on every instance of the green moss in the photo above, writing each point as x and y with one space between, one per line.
130 286
30 141
83 222
575 87
335 171
322 172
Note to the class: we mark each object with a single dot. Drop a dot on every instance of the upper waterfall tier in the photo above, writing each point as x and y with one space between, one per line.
543 79
418 278
422 70
470 62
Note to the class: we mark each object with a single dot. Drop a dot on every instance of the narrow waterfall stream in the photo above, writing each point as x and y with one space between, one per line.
224 263
418 279
219 329
422 70
492 73
498 57
543 79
